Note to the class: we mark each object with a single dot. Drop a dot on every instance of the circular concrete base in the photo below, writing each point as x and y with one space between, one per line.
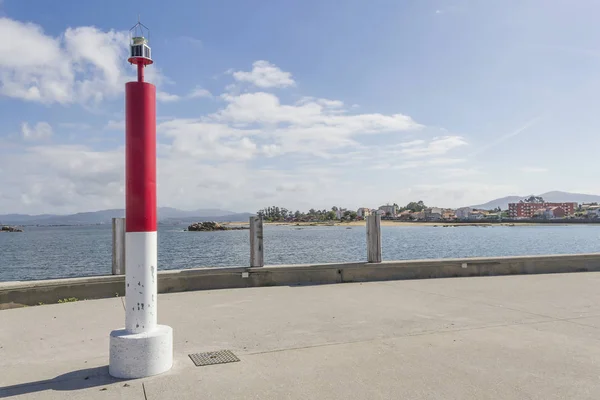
137 355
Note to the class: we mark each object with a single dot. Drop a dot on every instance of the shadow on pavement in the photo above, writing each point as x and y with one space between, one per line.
75 380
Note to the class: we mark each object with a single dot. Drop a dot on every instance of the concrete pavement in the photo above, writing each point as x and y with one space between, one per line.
511 337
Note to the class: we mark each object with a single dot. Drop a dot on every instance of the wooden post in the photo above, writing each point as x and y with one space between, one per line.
256 242
118 246
374 238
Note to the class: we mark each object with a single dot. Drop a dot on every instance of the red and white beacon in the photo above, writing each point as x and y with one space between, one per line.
143 348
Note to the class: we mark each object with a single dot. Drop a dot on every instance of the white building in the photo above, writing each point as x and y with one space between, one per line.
476 215
339 214
593 212
433 213
392 211
363 212
586 206
419 215
463 212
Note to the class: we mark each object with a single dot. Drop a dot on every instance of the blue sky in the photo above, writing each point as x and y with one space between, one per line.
302 104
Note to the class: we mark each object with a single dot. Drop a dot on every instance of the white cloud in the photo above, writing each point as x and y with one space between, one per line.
115 125
41 130
208 141
412 143
271 150
445 161
199 92
101 53
166 97
327 103
64 178
460 172
459 193
266 108
307 126
438 146
255 150
393 163
418 153
331 103
197 43
199 164
75 125
265 75
534 169
82 65
67 179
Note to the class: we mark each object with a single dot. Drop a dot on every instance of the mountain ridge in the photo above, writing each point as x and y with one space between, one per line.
554 196
166 214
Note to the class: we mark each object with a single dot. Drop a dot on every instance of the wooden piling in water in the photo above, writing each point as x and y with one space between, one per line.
256 242
374 238
118 246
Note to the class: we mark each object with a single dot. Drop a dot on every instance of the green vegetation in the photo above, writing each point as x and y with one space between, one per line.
281 214
350 215
69 300
414 206
533 199
274 213
580 209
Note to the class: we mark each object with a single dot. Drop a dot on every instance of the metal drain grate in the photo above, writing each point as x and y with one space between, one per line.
213 357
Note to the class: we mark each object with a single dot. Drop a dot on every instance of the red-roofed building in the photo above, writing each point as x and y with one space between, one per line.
527 210
558 212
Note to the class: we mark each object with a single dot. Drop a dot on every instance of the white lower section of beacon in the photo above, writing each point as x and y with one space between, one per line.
141 281
142 348
138 355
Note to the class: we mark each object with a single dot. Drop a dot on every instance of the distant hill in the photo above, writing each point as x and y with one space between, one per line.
559 197
502 203
105 216
168 212
11 218
552 197
238 217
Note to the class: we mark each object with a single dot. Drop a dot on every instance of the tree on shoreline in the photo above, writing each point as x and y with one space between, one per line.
274 214
414 206
533 199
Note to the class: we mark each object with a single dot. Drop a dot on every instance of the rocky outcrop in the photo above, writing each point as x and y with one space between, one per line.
10 229
210 226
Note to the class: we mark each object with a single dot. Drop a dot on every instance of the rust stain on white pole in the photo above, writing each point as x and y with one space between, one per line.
256 242
374 238
118 246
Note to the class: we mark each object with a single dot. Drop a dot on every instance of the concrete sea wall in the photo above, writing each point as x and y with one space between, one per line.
51 291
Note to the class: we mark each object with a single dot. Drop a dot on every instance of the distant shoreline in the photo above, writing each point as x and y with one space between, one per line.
362 223
422 223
